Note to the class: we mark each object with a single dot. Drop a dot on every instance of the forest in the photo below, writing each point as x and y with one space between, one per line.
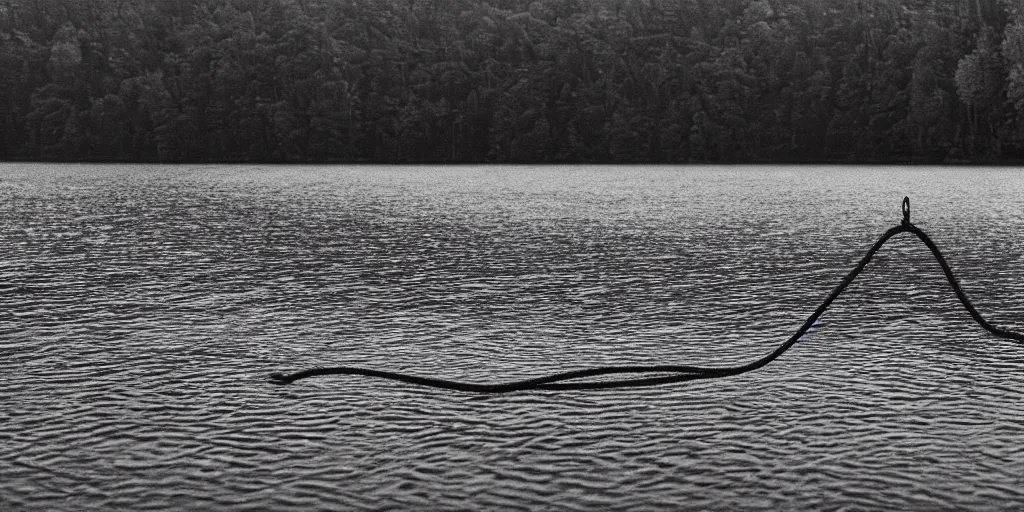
408 81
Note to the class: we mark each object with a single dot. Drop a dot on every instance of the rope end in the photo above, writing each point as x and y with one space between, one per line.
279 378
906 210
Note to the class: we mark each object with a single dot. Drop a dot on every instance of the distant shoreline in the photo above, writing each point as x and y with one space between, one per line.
843 163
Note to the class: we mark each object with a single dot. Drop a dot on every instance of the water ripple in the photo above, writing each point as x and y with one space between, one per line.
142 308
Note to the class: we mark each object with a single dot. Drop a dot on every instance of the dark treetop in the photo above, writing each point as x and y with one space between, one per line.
512 80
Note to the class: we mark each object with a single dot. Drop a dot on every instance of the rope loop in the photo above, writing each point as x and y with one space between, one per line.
906 210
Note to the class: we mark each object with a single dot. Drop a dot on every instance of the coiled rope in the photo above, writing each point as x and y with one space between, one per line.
676 373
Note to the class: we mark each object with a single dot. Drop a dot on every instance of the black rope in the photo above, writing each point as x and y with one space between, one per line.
676 373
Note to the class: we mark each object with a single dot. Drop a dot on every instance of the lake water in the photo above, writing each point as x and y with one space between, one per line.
142 308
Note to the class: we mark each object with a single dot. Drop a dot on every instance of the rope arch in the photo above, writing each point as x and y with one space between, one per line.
676 373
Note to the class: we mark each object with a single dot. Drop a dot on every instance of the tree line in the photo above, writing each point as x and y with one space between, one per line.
512 80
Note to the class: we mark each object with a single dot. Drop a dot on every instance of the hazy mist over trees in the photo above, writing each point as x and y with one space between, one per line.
512 80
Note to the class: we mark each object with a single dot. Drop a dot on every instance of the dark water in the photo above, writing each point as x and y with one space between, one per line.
141 309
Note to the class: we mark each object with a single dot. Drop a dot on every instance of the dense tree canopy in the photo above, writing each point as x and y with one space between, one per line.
512 80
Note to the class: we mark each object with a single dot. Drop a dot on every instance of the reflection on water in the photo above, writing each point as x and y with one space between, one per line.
141 309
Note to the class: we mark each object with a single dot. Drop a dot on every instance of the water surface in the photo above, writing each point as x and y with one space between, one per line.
142 307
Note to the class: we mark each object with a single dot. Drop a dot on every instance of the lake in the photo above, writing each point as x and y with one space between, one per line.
143 307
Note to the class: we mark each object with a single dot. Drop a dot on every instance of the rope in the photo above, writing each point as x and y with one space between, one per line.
677 373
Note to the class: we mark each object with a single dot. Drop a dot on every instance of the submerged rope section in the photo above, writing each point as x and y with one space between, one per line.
675 373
